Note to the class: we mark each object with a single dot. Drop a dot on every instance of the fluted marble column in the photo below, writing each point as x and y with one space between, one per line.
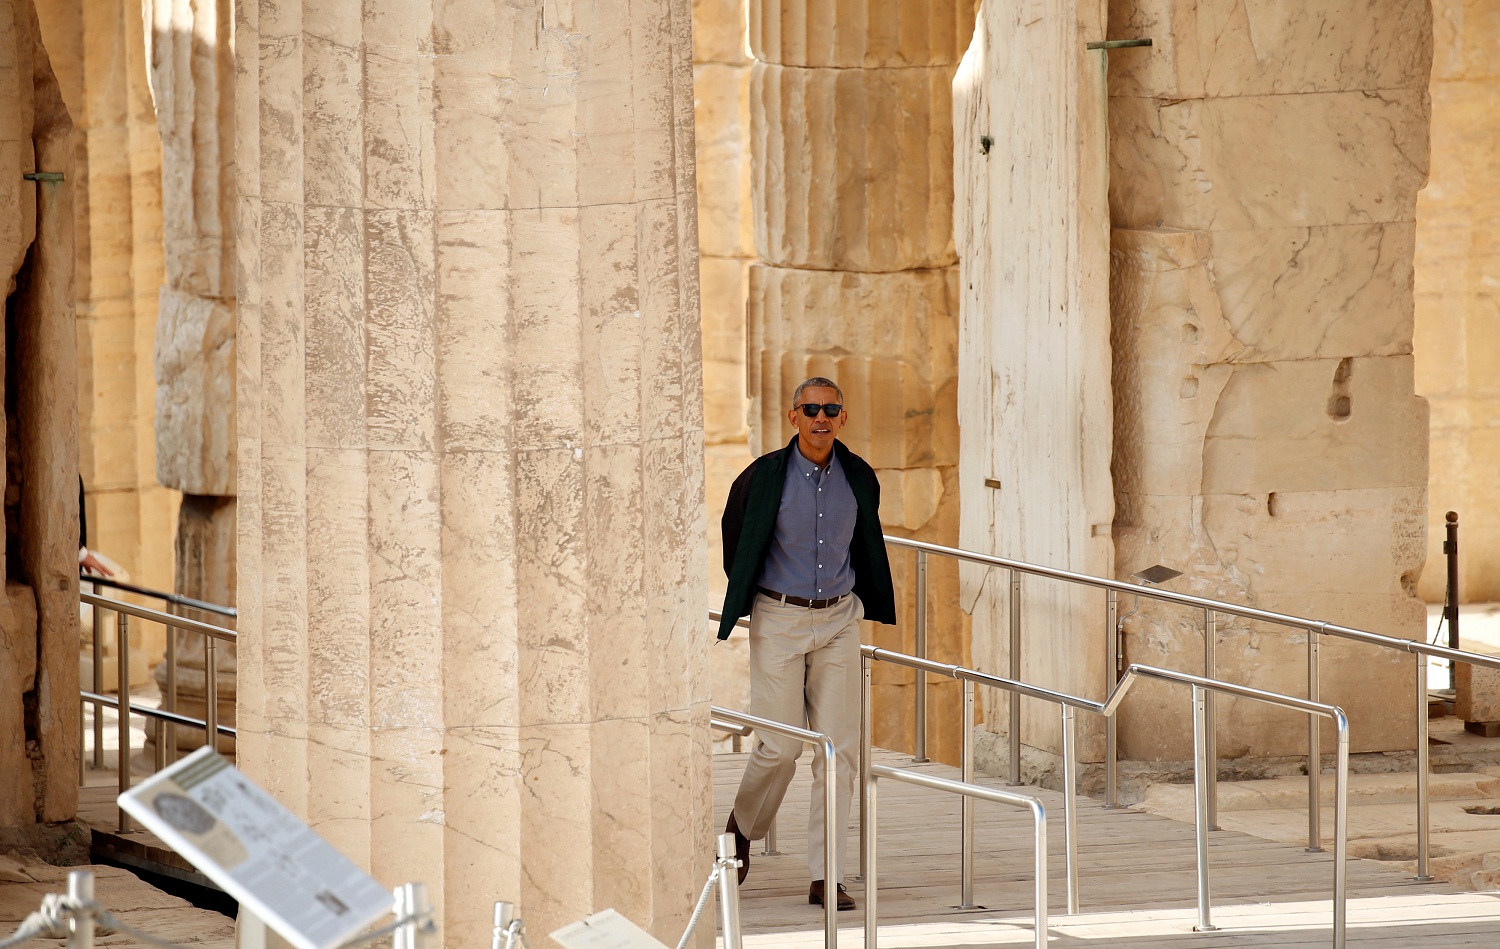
470 449
852 185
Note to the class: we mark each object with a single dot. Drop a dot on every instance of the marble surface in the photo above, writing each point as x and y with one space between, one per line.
471 532
1268 438
1457 307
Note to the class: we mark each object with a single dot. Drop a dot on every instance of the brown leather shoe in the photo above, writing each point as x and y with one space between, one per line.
741 846
815 896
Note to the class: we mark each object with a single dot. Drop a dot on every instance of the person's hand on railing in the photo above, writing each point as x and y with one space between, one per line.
88 561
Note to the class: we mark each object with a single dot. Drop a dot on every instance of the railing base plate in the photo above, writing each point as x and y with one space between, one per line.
1205 929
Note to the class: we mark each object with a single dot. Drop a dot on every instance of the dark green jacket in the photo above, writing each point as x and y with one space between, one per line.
750 522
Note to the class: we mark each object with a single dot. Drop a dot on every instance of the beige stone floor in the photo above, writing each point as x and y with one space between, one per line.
24 882
1137 882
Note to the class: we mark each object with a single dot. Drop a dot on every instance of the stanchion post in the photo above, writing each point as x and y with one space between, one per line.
81 925
210 693
865 724
966 805
1015 673
1070 802
411 900
500 934
98 687
1200 810
1423 766
1314 752
1111 678
1210 730
122 678
1450 600
872 929
919 755
729 894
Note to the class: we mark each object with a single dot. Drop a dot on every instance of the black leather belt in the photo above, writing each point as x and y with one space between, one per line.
800 601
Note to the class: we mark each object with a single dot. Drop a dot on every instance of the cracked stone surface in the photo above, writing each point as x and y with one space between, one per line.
471 535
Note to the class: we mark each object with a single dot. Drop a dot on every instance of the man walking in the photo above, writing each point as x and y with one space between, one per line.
805 558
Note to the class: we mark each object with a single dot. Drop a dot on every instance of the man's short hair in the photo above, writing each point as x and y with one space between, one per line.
816 382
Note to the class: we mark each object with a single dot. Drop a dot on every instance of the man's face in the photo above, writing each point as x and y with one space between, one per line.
817 433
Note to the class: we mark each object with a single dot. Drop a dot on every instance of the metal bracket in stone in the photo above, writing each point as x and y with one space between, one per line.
43 176
1118 44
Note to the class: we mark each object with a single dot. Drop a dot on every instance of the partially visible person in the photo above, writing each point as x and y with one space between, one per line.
87 560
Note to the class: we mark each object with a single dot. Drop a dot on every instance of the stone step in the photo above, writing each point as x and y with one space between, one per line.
1175 800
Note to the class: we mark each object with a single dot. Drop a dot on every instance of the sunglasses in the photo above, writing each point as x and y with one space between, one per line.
830 409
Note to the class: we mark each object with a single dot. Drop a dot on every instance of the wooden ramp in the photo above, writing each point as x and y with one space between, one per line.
1137 881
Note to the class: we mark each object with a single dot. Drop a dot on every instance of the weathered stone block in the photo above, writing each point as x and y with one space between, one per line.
725 285
1226 48
721 96
719 32
1478 688
1370 151
195 401
850 167
894 353
864 33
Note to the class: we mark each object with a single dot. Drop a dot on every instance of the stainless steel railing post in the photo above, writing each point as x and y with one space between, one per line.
81 925
1314 753
1070 801
966 806
211 693
870 861
98 688
1423 767
1210 731
866 710
1111 676
122 657
729 896
1341 831
1200 810
411 901
1015 673
920 753
171 696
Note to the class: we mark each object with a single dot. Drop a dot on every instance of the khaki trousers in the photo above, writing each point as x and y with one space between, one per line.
804 671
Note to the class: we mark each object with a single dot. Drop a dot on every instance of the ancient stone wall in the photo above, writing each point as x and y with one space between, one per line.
39 738
470 448
1248 381
1458 296
853 197
1268 441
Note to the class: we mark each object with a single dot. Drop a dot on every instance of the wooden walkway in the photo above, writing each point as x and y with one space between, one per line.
1137 881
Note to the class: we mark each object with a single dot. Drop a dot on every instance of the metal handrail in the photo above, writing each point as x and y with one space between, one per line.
209 723
1109 708
1068 704
830 805
1314 629
177 599
1203 765
969 791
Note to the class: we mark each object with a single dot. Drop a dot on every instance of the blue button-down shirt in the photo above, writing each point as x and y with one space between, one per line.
809 555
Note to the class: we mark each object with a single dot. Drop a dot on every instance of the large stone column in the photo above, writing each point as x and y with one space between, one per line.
39 729
1264 169
1457 284
852 184
99 52
1035 405
726 247
192 78
470 482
